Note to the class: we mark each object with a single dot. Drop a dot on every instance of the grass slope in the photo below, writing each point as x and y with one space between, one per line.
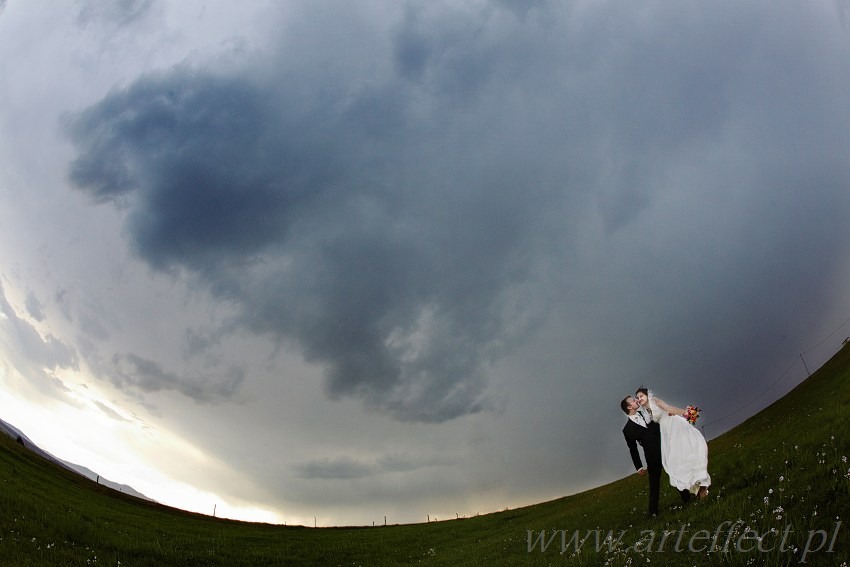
782 476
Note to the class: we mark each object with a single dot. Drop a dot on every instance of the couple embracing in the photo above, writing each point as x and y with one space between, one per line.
668 441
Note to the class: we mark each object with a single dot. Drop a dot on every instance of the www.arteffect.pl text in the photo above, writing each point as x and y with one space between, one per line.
727 537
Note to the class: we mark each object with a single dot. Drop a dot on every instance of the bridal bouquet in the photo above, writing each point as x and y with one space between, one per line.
691 414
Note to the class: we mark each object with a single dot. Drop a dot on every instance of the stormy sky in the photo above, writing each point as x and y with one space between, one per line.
346 260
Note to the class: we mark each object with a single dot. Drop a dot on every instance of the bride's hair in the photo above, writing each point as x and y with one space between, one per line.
642 390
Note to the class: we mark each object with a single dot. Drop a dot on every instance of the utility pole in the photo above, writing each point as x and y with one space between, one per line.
805 365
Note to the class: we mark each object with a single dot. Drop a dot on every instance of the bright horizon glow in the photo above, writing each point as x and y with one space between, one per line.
66 432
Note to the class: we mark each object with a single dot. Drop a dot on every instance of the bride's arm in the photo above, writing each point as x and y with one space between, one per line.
668 408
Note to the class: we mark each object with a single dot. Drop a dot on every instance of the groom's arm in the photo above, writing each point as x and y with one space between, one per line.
633 451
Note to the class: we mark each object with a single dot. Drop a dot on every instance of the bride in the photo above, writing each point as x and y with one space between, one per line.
684 453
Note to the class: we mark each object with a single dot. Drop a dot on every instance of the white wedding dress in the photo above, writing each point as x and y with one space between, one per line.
684 452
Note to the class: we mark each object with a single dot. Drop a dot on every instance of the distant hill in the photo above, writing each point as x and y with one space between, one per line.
21 438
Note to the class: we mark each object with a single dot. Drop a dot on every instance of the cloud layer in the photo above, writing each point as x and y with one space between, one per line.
338 222
401 220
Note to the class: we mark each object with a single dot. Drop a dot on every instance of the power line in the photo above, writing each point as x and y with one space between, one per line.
829 337
751 402
766 390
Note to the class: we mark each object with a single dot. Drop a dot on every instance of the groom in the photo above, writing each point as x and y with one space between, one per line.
641 430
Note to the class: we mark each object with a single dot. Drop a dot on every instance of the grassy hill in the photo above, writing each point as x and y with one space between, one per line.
781 496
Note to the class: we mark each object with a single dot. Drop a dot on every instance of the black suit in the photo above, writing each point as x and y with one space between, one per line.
649 438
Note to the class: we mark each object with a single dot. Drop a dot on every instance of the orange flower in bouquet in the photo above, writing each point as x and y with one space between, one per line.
691 414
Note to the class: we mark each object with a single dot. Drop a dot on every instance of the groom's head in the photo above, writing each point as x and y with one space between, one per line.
628 405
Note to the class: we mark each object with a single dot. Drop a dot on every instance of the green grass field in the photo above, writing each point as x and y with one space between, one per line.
781 496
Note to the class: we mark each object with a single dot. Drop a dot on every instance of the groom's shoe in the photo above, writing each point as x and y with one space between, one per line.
686 496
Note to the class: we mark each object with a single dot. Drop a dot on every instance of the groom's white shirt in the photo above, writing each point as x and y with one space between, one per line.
638 419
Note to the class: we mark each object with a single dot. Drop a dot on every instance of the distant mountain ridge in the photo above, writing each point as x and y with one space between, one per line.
21 438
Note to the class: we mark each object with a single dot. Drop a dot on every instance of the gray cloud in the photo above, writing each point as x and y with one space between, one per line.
118 12
111 412
64 303
407 223
139 374
348 468
34 307
401 289
35 357
342 468
25 340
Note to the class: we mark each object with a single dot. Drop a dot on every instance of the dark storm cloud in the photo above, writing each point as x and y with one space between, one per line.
398 289
396 218
325 218
192 156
